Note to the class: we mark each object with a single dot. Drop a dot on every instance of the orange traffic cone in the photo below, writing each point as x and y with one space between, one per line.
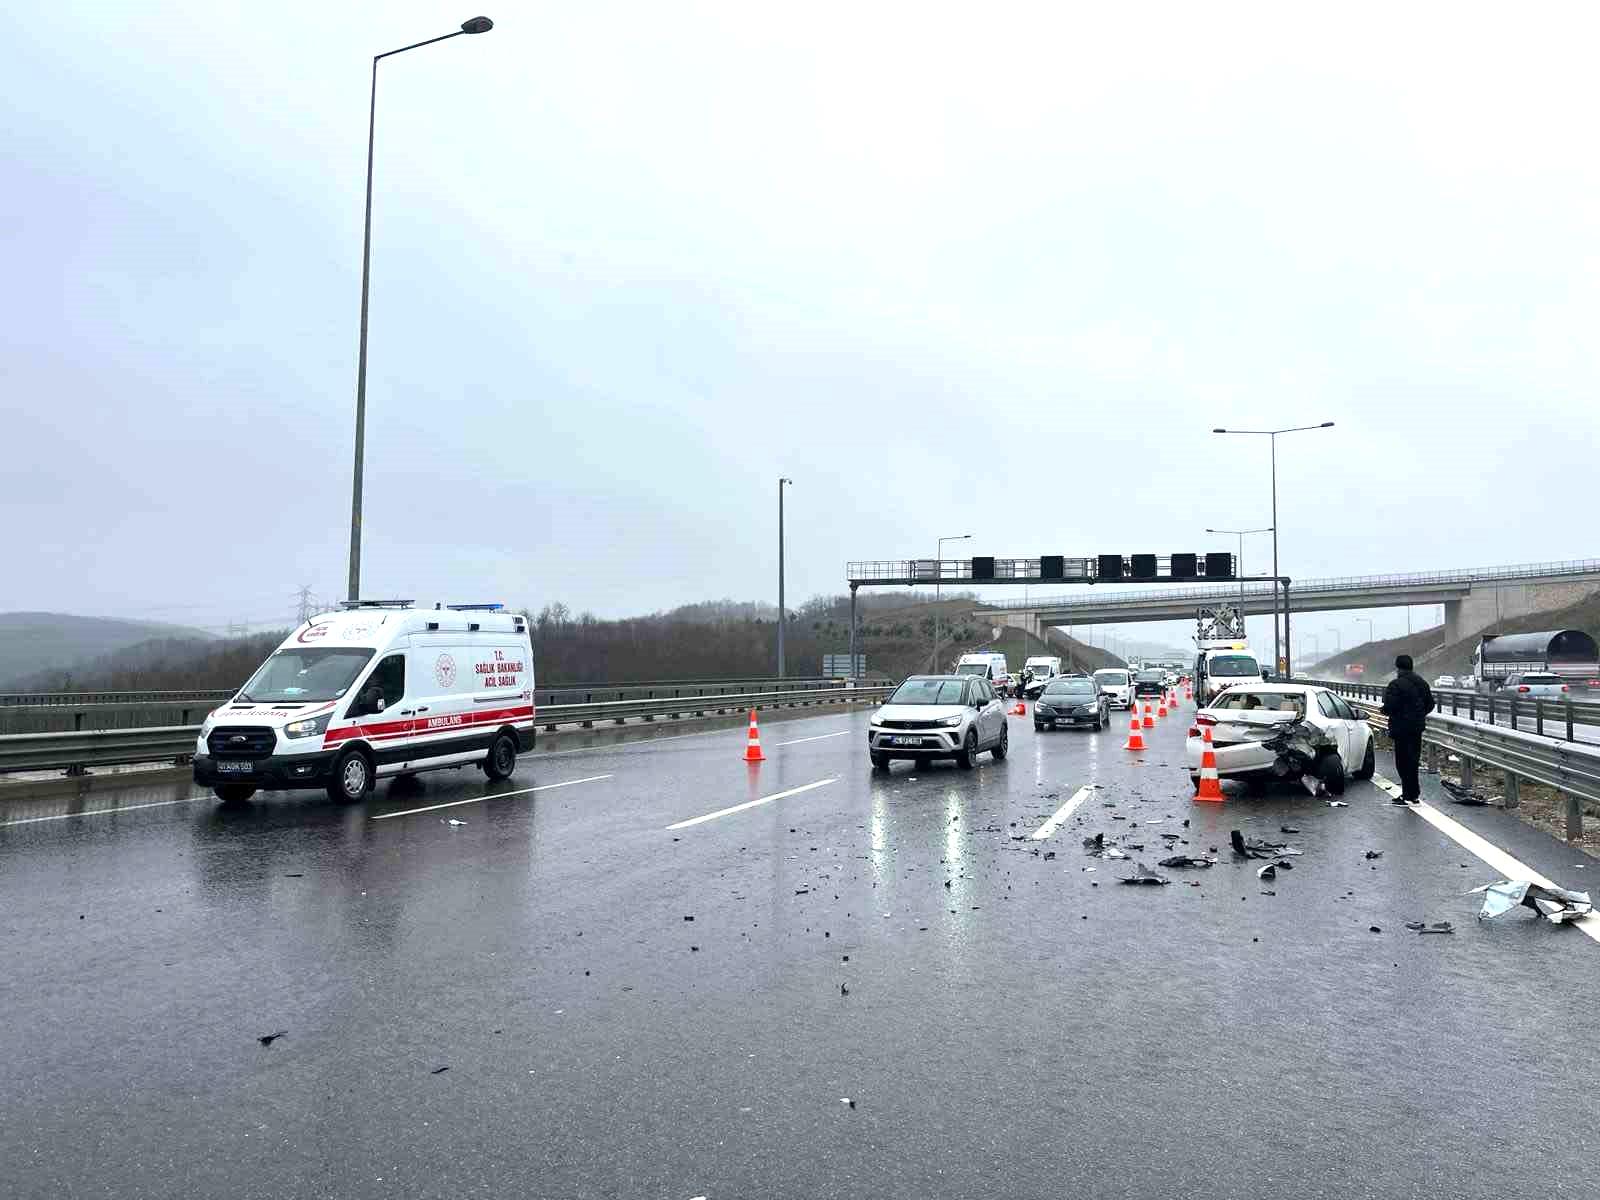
752 748
1161 707
1188 692
1135 738
1021 710
1210 785
1149 720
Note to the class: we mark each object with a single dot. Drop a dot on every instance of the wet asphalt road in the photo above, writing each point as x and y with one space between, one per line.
1031 1029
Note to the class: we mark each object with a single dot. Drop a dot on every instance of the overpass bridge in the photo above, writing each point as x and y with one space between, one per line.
1473 598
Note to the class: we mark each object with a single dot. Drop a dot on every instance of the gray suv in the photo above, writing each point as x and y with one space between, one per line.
939 716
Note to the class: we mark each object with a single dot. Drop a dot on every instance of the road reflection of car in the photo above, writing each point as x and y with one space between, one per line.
1537 685
1149 683
1117 684
1072 700
1241 717
939 716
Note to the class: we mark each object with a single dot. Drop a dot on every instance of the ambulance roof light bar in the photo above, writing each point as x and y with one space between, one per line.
347 604
497 607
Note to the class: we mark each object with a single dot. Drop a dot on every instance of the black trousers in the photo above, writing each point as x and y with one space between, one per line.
1407 757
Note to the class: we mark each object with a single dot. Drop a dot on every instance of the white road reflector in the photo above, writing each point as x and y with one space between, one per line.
1061 814
724 812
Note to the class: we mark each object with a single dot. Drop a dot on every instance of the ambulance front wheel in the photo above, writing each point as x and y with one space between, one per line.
352 778
502 760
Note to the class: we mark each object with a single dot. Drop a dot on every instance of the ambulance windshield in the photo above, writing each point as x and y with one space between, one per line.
301 676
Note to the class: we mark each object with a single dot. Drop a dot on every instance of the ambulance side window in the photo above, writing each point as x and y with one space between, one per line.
389 677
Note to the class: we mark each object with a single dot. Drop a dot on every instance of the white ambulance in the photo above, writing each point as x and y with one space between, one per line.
378 688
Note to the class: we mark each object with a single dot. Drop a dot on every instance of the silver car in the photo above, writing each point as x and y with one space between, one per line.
1537 685
939 716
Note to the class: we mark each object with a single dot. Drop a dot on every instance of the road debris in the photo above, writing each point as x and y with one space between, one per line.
1555 904
1371 854
1288 829
266 1039
1270 871
1143 874
1338 804
438 1071
1374 929
1462 795
450 821
847 1100
1187 860
1436 927
1252 847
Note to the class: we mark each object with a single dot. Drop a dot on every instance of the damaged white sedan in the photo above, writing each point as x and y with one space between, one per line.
1266 732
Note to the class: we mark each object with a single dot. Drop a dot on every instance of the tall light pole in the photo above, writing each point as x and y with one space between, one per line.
1338 642
475 25
1371 636
938 590
1239 566
1272 434
783 612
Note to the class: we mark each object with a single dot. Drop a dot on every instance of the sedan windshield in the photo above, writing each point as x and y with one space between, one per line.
1070 687
1233 664
928 691
301 676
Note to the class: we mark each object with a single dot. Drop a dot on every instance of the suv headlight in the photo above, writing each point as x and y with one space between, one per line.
952 722
310 727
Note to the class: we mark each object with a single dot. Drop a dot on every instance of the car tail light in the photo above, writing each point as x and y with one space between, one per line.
1522 687
1194 731
1202 719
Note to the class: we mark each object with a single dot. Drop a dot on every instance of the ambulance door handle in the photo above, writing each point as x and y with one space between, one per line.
405 712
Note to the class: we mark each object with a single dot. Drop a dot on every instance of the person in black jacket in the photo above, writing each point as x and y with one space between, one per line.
1407 701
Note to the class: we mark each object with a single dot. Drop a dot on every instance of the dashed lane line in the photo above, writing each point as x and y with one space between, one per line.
820 737
1509 868
1061 814
543 787
103 812
724 812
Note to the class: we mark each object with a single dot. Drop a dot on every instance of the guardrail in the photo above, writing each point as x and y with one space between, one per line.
76 751
1564 719
1572 768
55 712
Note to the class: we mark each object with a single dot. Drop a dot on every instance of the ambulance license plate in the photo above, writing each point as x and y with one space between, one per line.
235 766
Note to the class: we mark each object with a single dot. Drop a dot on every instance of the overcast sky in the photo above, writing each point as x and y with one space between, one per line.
953 269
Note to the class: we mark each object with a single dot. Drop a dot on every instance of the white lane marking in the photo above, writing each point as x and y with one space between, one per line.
818 738
100 812
1061 814
1509 867
723 812
543 787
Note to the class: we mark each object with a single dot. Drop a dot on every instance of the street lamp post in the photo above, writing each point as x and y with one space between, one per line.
783 612
475 25
938 590
1371 635
1338 642
1272 434
1239 566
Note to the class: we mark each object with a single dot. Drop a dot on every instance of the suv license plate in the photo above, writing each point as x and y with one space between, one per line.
905 741
227 766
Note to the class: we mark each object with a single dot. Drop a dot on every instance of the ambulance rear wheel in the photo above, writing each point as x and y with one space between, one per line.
352 778
502 760
233 793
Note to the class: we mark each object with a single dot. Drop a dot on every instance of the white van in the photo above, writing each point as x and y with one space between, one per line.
376 689
987 664
1041 671
1219 667
1117 684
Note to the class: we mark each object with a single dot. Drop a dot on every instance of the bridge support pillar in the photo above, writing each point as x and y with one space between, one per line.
1452 622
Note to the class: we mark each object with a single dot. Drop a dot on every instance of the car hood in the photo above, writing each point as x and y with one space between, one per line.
1059 701
918 712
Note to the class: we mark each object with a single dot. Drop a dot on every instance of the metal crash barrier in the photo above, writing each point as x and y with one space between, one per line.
76 751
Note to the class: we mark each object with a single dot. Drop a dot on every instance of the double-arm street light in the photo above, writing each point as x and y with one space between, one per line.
1239 565
938 591
1277 588
475 25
